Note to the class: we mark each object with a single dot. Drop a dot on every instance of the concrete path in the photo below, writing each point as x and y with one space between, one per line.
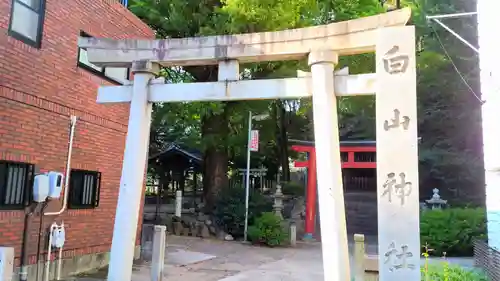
303 265
194 259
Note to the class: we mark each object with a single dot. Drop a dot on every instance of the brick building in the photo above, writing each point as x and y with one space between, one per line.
45 79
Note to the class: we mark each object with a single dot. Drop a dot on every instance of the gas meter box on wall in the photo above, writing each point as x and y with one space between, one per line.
6 263
58 237
55 184
41 188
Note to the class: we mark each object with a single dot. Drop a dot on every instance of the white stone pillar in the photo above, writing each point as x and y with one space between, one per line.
489 59
178 203
329 173
359 257
132 179
293 234
158 261
397 155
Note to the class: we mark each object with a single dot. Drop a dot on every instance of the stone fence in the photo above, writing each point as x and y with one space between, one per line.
365 266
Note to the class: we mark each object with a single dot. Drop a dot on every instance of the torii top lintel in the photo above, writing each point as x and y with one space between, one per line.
348 37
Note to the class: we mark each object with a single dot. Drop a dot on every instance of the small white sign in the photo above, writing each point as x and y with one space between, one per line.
254 140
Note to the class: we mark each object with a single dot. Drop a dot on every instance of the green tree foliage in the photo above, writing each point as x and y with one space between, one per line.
229 211
449 107
222 126
449 113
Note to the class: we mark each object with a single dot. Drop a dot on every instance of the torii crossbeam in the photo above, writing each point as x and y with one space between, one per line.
394 84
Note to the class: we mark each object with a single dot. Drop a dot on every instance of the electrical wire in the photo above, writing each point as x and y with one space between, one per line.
454 65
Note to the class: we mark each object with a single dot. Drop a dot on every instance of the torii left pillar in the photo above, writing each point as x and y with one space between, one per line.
329 172
132 178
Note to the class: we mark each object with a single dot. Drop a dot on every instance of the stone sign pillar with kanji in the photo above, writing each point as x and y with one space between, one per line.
397 155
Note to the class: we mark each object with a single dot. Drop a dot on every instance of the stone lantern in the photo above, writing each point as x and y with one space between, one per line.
436 201
278 198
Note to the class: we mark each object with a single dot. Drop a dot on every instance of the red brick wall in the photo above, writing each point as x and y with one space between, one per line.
39 90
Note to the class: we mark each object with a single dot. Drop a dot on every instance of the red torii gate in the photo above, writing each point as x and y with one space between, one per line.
348 149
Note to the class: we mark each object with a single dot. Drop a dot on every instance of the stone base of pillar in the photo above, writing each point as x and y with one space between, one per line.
308 237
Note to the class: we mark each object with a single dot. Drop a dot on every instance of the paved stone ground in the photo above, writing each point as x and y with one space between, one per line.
194 259
212 260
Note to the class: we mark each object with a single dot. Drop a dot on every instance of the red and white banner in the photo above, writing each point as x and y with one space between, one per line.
254 140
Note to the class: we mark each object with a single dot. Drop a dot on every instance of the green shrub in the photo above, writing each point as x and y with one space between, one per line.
229 211
451 232
446 272
294 189
267 230
149 193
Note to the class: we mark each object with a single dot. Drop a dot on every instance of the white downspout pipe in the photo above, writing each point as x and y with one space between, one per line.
49 251
59 260
68 169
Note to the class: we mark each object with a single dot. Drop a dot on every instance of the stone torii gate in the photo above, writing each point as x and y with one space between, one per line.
394 84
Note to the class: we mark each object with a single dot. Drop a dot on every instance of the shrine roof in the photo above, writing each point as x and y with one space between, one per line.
175 148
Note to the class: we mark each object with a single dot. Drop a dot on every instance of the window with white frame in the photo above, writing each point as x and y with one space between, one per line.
26 21
115 74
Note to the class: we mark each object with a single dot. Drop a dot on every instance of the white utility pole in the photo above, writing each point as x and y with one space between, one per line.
250 147
490 94
247 175
489 60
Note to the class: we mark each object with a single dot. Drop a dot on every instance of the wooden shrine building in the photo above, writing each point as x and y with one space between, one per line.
175 166
359 180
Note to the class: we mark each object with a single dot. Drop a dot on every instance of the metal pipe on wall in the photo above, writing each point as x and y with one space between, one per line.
53 228
68 168
40 236
49 251
59 259
23 273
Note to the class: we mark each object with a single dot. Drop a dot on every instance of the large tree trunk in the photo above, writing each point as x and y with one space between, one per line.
214 130
281 149
215 158
215 170
283 141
